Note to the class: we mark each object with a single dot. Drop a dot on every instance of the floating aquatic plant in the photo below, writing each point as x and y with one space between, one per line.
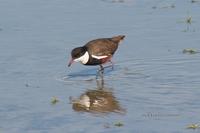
188 20
54 100
190 51
193 126
118 124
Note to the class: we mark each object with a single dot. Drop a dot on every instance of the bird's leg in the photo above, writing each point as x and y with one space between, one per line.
100 72
112 65
101 68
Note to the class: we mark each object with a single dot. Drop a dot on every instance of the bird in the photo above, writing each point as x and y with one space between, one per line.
96 52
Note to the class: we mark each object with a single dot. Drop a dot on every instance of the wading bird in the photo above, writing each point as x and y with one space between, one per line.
96 52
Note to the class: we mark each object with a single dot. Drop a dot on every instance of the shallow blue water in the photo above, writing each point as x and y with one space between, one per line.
153 82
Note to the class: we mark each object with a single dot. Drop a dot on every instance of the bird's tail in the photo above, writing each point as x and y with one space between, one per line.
117 39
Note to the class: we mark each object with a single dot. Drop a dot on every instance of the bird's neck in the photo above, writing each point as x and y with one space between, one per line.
83 59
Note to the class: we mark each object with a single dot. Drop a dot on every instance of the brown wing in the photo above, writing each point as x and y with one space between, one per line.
102 47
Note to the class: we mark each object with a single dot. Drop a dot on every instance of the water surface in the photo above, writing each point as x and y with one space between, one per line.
154 87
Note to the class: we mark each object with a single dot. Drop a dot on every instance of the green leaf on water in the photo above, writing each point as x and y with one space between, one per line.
188 20
193 126
119 124
54 100
190 51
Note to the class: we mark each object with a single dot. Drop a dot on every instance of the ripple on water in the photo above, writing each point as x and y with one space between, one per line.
134 69
119 72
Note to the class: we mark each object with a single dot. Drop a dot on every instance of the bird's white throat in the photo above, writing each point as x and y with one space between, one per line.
83 59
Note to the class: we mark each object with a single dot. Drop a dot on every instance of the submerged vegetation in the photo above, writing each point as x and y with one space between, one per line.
118 124
190 51
188 20
193 126
54 100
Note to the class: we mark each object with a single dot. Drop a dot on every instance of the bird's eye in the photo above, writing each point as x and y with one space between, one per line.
76 55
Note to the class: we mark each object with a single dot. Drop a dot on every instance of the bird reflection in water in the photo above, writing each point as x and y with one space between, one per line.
99 100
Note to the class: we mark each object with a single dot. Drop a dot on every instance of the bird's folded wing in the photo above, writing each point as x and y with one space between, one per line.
101 48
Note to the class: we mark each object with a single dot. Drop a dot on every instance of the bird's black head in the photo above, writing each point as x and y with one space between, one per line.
78 52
